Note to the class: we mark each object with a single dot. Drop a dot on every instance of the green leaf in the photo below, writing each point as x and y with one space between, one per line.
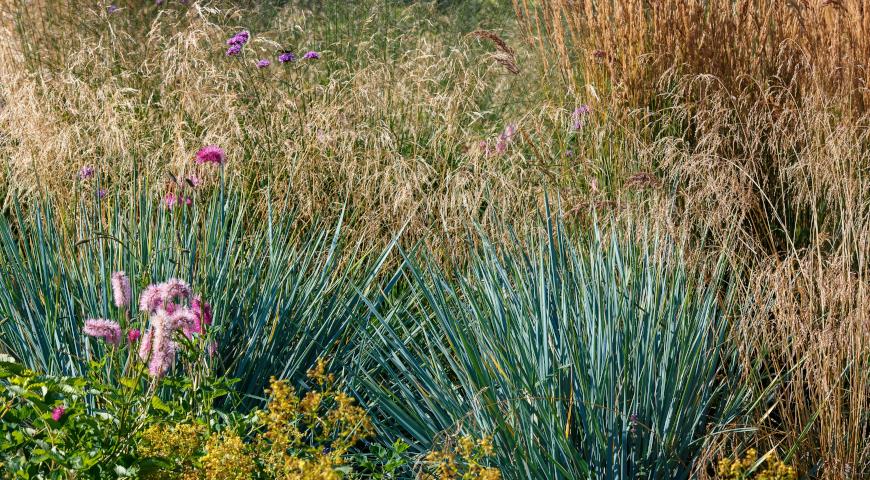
158 404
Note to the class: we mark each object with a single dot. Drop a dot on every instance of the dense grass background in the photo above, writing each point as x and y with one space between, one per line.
366 222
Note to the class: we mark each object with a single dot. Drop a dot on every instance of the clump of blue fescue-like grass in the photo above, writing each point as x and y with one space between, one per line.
583 358
283 294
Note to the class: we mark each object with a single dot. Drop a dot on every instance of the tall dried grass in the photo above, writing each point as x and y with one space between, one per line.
627 46
387 123
754 114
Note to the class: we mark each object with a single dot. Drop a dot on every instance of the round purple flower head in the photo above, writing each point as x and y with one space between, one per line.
312 55
211 154
57 413
263 63
234 50
286 57
102 193
240 38
86 172
112 8
578 118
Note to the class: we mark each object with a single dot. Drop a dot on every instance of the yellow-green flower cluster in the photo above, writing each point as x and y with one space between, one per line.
464 461
227 458
741 468
179 443
301 438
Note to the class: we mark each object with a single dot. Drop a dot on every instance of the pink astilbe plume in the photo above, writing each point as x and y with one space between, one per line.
183 319
159 338
121 289
145 345
174 290
151 299
108 330
167 305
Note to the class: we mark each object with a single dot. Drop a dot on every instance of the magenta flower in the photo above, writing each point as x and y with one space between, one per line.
286 57
133 335
108 330
57 413
312 55
86 172
170 200
263 63
211 154
121 289
202 311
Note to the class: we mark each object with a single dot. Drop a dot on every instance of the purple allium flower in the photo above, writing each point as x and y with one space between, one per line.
108 330
263 63
578 118
240 38
121 289
86 172
234 50
102 193
312 55
112 8
211 154
286 57
57 413
133 335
